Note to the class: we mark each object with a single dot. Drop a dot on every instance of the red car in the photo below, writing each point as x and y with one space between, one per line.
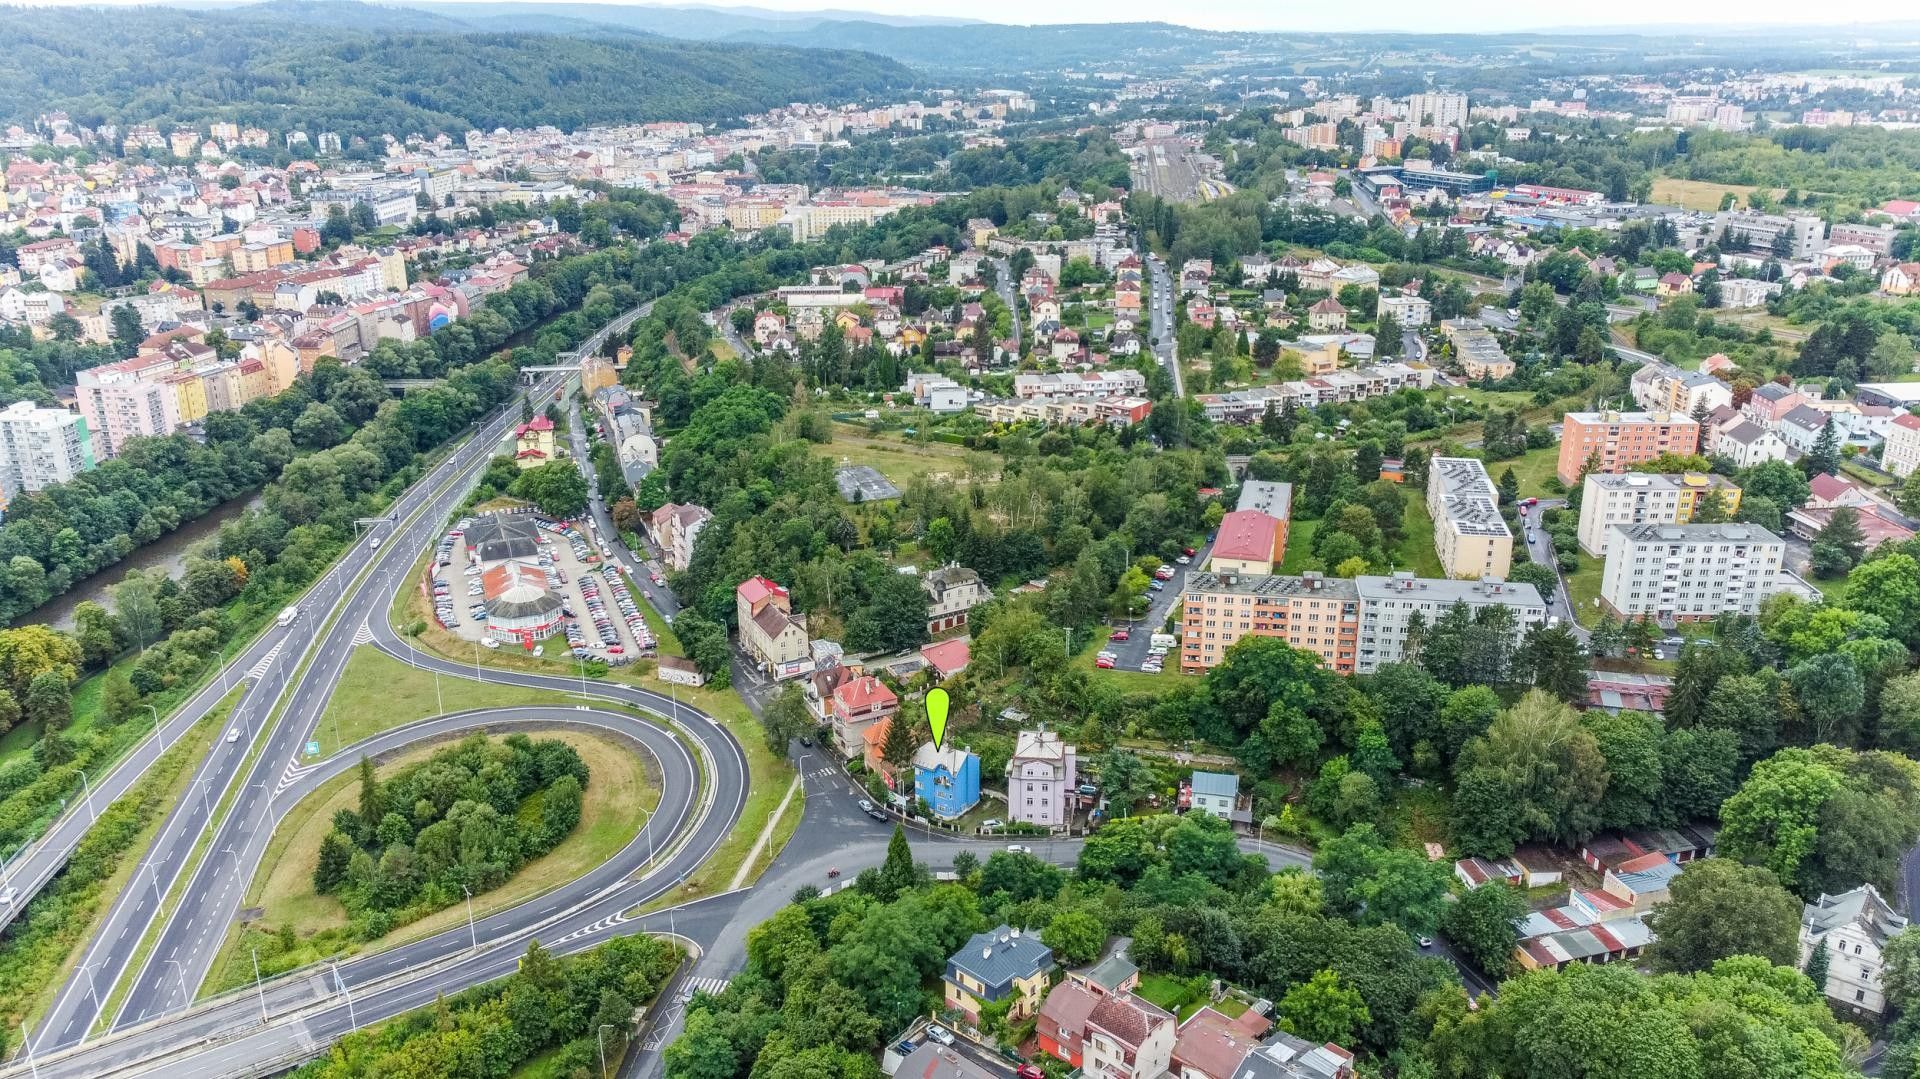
1117 635
1105 663
1029 1071
1189 551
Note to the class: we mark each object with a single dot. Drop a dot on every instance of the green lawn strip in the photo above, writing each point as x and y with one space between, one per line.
768 773
1299 554
612 814
1416 551
43 946
377 692
1583 589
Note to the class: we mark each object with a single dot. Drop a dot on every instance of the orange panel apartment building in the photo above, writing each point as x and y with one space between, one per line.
1311 612
1622 440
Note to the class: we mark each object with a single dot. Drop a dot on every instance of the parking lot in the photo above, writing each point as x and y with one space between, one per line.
600 617
1136 652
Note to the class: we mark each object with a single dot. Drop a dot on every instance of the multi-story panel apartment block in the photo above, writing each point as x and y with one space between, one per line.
1634 498
1311 612
1620 440
119 405
40 447
1469 534
1689 573
1388 603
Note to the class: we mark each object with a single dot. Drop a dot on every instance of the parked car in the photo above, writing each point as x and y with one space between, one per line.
1105 663
1017 848
995 822
1189 551
1118 635
940 1034
1185 560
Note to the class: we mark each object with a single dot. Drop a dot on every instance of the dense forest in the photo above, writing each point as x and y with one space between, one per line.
284 73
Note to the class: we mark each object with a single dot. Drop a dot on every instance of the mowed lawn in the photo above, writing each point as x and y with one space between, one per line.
377 693
622 790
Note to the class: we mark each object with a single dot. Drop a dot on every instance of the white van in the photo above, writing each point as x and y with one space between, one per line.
287 616
1162 640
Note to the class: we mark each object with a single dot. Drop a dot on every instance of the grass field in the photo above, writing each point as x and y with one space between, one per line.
622 790
889 455
1701 195
769 773
1299 554
1416 550
1583 589
377 692
1533 469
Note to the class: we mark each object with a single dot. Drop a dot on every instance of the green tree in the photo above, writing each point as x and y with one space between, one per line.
370 802
49 701
330 870
1368 881
1076 937
785 718
1324 1009
1720 908
1481 926
1817 962
1838 545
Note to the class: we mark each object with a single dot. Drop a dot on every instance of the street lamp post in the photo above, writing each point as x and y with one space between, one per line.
257 987
93 986
87 789
186 995
472 933
159 741
353 1020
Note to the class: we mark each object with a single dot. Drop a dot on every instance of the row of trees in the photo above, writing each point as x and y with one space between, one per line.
576 1007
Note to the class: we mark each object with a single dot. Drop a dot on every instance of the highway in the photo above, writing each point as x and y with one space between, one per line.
264 667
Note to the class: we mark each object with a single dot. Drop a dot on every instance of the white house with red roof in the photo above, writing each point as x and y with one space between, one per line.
1901 454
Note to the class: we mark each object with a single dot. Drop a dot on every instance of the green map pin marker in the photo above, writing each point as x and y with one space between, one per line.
937 716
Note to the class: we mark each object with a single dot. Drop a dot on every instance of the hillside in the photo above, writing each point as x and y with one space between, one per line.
314 67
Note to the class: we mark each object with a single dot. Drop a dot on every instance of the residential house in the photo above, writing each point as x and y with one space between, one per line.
1901 454
770 632
1801 428
533 443
1747 444
1674 284
1284 1056
1901 279
1619 440
1689 573
1770 401
1042 776
855 706
1854 927
1470 536
1327 316
931 1060
1114 1036
946 780
1209 1045
1000 964
952 591
1217 794
675 529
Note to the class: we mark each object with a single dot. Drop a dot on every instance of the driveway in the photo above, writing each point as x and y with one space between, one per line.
1131 653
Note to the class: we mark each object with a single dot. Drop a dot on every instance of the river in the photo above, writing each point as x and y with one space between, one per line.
169 551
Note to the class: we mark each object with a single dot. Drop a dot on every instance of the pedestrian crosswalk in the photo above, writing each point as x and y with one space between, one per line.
259 670
713 987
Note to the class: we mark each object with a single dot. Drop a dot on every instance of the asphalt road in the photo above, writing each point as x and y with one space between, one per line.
1130 653
1160 318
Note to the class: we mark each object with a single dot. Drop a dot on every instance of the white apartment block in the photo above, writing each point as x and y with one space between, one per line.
1041 779
40 447
1689 573
1901 454
119 406
1633 498
1409 311
1387 603
1469 534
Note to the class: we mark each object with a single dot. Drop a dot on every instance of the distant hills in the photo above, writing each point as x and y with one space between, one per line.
368 69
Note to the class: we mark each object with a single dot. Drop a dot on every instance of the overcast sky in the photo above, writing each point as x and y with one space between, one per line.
1415 16
1418 16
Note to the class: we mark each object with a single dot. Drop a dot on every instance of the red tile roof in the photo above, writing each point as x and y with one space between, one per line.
756 589
1247 534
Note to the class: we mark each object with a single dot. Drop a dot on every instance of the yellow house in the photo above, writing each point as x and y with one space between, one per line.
533 443
1001 964
189 395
